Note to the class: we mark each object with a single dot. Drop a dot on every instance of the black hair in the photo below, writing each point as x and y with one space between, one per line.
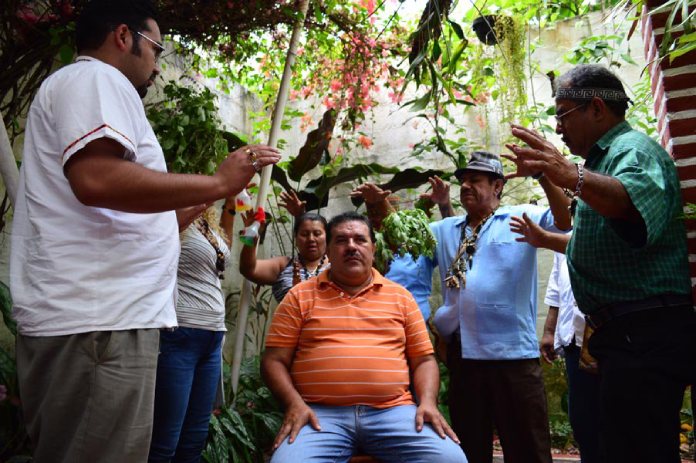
594 76
308 216
351 216
100 17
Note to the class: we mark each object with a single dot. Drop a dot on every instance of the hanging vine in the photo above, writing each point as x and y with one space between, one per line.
510 66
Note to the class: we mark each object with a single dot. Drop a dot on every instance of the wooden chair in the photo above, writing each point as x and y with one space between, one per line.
363 459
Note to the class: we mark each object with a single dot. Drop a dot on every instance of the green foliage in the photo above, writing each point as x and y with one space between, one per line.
540 13
561 434
243 431
689 211
680 17
383 254
189 129
687 425
556 386
511 53
443 393
13 438
6 309
597 49
641 114
406 231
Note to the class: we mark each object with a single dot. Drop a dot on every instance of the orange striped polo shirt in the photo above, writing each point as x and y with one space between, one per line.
351 350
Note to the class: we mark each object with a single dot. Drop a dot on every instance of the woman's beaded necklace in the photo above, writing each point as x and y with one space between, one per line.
300 271
205 230
464 259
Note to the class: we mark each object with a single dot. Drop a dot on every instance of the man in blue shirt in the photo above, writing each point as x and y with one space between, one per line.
489 281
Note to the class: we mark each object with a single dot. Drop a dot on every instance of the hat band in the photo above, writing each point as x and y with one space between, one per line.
607 94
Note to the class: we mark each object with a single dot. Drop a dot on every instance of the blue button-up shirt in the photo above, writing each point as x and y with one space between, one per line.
496 312
414 275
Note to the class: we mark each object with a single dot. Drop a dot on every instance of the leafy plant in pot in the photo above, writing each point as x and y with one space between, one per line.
511 34
508 34
484 27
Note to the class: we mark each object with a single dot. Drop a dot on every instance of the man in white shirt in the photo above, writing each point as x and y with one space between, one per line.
95 242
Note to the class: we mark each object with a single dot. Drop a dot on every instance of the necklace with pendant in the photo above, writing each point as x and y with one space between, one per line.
464 258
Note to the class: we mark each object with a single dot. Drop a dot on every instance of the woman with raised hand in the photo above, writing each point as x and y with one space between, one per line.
284 272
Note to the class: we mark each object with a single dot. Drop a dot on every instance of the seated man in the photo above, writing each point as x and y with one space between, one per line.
338 356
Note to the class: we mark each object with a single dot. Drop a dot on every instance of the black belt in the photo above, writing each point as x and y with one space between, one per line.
619 309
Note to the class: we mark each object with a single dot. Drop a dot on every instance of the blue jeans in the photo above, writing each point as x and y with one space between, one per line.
386 434
583 406
188 373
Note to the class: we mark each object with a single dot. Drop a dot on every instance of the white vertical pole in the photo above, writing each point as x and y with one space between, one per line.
277 118
8 165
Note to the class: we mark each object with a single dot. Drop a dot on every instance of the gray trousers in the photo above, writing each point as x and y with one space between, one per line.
89 397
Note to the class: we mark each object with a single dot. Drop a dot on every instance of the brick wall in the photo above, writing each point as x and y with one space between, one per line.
674 89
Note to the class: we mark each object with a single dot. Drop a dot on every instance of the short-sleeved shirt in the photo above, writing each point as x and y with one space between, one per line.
350 350
570 325
76 268
608 263
414 275
495 313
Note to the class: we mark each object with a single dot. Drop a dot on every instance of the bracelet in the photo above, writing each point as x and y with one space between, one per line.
581 178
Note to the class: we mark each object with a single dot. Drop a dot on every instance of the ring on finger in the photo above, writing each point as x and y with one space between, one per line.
252 154
255 165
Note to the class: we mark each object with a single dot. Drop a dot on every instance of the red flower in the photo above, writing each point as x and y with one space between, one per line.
365 141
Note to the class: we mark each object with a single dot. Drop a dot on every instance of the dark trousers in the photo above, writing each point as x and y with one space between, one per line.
506 393
583 406
646 360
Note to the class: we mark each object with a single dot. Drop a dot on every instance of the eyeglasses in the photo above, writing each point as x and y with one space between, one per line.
159 46
559 117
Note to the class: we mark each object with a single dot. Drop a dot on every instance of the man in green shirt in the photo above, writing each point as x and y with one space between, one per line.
627 259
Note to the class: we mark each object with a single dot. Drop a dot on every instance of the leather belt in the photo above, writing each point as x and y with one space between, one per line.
619 309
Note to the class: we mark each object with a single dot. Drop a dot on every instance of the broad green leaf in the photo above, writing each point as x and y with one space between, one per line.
457 29
437 51
419 104
682 50
6 308
316 144
8 370
234 425
456 55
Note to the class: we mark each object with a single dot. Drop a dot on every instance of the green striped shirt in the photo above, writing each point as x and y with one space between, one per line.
613 260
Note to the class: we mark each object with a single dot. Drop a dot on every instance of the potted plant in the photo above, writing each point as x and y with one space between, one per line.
484 27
